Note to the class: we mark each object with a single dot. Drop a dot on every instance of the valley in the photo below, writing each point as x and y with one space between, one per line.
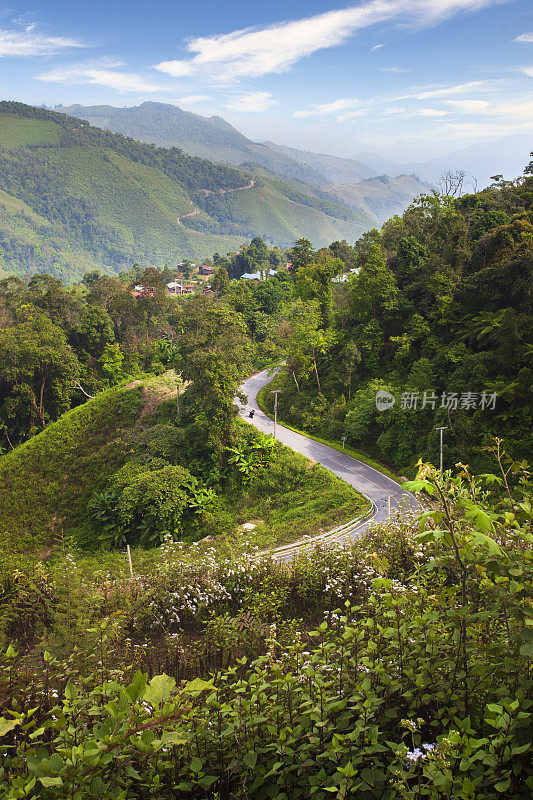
113 201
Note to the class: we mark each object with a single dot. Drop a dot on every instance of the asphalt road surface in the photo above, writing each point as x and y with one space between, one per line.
367 480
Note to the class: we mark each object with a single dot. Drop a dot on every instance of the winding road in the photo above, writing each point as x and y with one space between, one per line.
378 488
207 192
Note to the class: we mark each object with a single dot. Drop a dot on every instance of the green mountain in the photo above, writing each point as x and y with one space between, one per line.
332 169
207 137
74 197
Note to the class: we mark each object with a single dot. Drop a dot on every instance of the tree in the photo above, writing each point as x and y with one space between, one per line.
351 357
94 331
62 305
300 255
304 340
38 371
451 182
213 355
150 305
343 251
374 292
220 281
313 282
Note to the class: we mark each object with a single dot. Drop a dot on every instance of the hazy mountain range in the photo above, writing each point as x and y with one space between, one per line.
215 139
74 197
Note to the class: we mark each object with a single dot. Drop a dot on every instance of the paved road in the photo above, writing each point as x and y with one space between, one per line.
367 480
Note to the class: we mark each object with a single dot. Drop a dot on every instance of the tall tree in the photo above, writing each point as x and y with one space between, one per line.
38 372
213 355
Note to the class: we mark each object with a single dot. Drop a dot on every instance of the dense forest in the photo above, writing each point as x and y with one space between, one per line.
435 309
438 313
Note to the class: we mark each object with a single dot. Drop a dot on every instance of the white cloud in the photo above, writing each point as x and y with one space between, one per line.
520 109
524 37
321 109
254 52
395 69
376 47
102 73
444 91
251 102
429 112
469 106
351 114
29 42
176 69
510 109
528 71
401 113
192 99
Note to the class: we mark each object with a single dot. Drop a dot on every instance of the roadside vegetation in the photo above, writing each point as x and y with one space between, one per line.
395 667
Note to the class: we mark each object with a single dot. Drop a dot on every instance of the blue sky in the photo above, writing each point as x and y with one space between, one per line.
407 78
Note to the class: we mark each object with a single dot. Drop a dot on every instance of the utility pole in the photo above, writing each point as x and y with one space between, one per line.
128 552
275 393
441 431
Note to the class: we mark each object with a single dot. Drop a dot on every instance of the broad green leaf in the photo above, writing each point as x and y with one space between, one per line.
198 685
173 738
7 725
48 782
419 486
159 689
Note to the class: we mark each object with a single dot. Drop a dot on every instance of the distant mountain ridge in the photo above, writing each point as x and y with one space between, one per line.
333 169
506 156
215 139
74 197
211 138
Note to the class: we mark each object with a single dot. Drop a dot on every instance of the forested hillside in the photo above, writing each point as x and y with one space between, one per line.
75 198
213 138
439 315
380 197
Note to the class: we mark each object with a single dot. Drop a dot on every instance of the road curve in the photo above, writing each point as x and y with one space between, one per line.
367 480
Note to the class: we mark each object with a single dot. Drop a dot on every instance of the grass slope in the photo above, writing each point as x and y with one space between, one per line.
18 131
79 197
46 483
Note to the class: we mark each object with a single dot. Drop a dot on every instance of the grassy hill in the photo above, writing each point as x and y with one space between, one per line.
47 482
75 197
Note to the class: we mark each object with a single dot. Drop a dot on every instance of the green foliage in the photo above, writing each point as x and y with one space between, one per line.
393 667
154 501
47 482
118 469
442 305
38 370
